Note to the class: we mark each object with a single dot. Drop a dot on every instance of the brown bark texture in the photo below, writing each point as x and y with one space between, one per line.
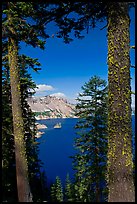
24 194
120 164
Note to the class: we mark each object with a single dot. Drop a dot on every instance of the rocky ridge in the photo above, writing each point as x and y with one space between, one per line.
51 107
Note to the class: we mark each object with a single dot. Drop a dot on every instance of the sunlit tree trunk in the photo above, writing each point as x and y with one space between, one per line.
120 165
24 194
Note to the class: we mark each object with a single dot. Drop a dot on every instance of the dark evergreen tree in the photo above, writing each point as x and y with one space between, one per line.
91 144
57 191
36 177
9 191
8 156
21 22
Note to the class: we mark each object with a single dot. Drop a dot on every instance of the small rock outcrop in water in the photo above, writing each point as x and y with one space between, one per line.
58 125
51 107
39 134
41 126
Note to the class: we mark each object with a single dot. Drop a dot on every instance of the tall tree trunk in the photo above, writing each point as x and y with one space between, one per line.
24 194
120 165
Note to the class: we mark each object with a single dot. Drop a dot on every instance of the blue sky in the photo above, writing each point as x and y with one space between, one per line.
66 67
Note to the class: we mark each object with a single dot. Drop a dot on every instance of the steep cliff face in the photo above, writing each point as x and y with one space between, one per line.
51 107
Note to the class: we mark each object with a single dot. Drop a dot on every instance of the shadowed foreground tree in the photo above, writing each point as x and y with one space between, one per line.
9 190
21 22
120 161
20 152
35 176
9 185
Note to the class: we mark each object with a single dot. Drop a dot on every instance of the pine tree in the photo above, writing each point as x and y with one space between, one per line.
53 193
8 156
116 16
9 191
32 150
22 22
120 162
57 191
69 191
16 28
91 144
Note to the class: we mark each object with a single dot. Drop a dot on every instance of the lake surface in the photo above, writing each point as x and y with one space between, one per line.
56 145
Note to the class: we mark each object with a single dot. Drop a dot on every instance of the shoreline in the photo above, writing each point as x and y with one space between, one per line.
43 126
37 118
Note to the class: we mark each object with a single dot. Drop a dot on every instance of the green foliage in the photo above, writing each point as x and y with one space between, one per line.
30 128
26 23
69 190
76 17
21 21
91 143
9 191
57 191
8 156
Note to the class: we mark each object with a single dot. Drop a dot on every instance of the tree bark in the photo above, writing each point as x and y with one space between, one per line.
24 194
120 164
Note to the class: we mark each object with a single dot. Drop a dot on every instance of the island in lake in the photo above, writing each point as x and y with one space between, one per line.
58 125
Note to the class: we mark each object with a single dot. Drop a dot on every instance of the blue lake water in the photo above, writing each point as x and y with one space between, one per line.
56 145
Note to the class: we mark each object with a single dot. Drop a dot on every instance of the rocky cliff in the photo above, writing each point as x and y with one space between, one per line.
51 107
